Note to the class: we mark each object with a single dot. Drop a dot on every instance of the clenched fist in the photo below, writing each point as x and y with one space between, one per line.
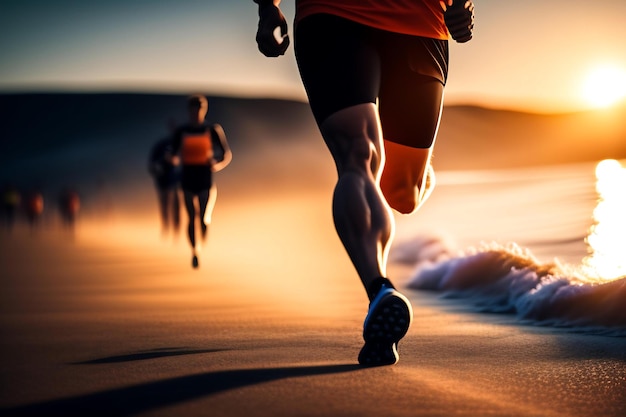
271 18
459 18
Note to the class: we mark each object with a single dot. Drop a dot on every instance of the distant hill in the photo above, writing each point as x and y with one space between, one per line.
473 137
52 138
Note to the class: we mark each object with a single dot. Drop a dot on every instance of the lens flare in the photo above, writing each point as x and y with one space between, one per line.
607 237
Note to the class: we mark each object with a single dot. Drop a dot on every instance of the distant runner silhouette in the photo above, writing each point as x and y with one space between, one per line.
69 206
33 208
166 176
201 149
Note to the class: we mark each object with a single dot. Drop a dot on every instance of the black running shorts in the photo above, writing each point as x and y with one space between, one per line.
343 63
196 178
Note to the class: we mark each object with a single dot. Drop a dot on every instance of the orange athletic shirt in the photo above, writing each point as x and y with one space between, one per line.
412 17
196 149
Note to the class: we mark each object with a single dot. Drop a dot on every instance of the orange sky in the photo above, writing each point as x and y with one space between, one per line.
531 54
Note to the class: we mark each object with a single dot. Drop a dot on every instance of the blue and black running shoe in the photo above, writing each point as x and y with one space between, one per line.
388 320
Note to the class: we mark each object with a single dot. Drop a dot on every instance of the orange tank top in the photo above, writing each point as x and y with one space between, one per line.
411 17
196 148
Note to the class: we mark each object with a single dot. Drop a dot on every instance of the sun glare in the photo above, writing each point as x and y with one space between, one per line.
607 237
605 86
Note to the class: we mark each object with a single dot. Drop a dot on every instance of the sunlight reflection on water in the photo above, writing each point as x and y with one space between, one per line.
607 237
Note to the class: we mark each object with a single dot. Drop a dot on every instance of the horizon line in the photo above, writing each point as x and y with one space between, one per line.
211 92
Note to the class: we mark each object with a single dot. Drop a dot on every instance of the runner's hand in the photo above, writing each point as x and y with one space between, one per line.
270 18
459 18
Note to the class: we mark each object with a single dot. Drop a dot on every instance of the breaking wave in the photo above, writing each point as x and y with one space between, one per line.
508 279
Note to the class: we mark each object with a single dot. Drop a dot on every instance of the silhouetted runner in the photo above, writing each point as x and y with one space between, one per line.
201 149
33 208
69 206
166 176
374 73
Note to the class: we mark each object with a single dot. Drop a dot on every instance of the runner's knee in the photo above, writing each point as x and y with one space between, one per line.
353 137
403 176
404 200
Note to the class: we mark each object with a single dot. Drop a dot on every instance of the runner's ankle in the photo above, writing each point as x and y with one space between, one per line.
375 286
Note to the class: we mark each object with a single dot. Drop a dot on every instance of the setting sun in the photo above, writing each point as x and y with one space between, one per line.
604 86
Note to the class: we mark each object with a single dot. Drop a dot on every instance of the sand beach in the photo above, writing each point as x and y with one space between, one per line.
110 318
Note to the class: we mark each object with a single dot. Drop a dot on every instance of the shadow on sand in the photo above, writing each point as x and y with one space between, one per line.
153 395
148 354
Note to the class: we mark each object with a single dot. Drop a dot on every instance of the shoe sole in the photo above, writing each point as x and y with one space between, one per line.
386 323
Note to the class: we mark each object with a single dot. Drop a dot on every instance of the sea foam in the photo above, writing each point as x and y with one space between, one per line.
508 279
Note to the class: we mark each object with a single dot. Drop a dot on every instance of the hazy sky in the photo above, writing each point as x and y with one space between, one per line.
532 54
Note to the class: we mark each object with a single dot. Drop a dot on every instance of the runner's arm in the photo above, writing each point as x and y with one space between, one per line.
227 155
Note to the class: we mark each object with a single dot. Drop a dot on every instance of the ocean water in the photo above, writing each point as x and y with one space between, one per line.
546 245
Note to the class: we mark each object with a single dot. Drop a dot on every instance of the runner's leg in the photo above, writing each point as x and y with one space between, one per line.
175 209
163 212
208 215
191 214
362 218
203 201
407 178
340 70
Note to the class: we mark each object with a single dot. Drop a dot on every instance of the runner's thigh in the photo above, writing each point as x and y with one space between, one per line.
413 76
338 64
